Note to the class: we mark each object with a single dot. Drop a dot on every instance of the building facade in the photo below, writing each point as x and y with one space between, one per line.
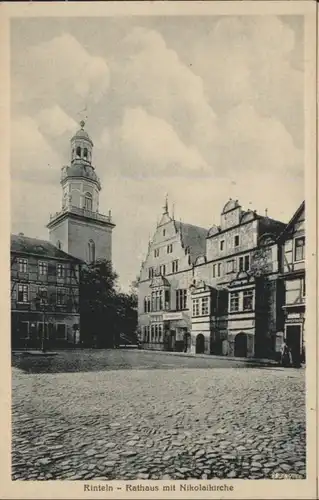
44 295
220 289
79 228
293 277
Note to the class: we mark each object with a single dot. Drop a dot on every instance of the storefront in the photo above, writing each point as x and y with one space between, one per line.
177 328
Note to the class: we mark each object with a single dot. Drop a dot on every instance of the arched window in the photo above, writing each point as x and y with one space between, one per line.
88 201
85 153
78 151
91 246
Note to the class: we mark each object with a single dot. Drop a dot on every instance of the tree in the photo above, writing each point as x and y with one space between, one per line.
106 313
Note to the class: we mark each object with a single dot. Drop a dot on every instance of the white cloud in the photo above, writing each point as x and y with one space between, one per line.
147 73
155 146
54 121
61 68
32 157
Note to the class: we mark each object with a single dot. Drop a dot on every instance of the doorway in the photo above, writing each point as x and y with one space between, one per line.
171 340
241 345
200 344
293 337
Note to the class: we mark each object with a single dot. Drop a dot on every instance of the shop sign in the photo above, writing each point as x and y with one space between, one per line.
172 316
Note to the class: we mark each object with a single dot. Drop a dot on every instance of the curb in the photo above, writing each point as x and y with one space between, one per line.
213 356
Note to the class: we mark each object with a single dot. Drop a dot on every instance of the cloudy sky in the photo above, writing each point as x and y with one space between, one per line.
202 108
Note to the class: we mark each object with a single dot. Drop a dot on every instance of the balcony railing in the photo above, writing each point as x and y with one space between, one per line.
85 213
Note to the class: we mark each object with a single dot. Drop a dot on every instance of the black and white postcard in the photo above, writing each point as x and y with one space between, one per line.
159 258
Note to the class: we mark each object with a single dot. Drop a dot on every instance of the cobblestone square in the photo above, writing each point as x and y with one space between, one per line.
142 415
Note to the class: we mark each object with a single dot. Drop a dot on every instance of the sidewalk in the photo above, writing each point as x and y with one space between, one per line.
269 362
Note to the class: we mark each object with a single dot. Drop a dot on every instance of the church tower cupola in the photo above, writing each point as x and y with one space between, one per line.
81 146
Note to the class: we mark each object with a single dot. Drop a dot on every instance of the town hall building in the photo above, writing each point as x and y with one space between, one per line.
215 291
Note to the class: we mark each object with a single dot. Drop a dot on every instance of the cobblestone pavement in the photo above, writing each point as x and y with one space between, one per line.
190 422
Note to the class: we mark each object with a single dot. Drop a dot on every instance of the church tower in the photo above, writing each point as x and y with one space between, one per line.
79 228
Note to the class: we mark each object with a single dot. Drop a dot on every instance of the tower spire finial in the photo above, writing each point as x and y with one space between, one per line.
82 123
165 208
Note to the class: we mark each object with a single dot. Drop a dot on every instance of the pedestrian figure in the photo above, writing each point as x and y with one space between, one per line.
285 354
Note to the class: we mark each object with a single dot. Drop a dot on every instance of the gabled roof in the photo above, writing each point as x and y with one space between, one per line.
193 238
24 244
292 220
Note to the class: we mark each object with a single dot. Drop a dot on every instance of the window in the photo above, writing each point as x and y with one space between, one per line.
157 300
43 268
23 265
23 293
214 271
59 245
61 331
166 300
91 246
195 307
244 263
147 304
163 269
181 299
230 266
170 248
174 266
234 301
219 270
60 270
88 202
160 333
78 151
222 245
164 232
43 293
150 272
299 248
303 284
85 153
156 252
236 240
60 296
187 250
24 330
205 306
248 296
